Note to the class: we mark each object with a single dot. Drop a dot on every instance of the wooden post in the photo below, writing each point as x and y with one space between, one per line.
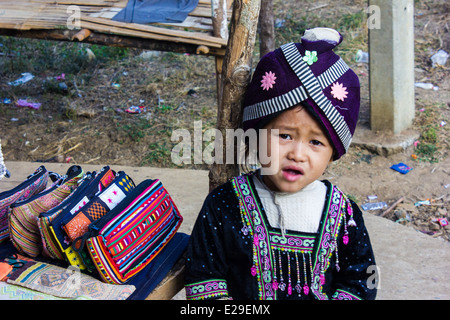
391 54
266 28
220 30
236 73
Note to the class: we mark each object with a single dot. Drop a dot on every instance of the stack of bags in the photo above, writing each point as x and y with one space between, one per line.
98 222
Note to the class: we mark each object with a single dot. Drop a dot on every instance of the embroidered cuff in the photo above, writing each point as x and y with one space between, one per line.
344 295
213 288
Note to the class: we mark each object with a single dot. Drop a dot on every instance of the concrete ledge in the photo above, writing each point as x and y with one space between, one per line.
384 143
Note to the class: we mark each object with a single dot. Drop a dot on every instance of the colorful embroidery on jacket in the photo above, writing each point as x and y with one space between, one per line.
207 289
268 246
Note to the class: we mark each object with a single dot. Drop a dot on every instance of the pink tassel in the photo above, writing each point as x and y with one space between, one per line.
289 289
345 239
306 289
253 271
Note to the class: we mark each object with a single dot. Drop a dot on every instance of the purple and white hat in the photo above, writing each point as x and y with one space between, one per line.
307 72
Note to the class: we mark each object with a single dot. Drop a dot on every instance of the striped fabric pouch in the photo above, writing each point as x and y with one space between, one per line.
126 240
35 183
24 230
91 184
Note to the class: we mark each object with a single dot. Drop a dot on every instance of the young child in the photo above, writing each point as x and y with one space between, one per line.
286 234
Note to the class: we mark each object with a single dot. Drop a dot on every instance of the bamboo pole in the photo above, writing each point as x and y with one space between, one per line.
236 73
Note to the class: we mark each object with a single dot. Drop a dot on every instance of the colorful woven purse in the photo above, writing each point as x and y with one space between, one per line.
24 231
127 239
35 183
74 224
91 184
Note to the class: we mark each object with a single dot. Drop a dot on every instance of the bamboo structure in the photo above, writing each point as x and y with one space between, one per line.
63 19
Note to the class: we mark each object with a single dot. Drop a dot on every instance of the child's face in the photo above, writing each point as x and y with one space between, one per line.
303 151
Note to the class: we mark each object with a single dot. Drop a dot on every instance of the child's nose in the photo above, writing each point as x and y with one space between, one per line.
298 152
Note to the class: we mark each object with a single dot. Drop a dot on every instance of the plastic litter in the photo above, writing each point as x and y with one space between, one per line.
443 222
279 23
402 217
374 206
25 78
426 86
401 167
422 203
136 109
25 103
439 58
362 56
6 101
61 77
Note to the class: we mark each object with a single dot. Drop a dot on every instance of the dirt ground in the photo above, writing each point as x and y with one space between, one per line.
87 123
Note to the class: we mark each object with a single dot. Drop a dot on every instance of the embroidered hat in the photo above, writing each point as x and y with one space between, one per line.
307 72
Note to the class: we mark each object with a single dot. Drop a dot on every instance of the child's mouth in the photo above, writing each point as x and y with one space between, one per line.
292 174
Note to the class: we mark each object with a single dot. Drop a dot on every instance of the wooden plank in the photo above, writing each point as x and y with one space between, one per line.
142 34
135 28
191 23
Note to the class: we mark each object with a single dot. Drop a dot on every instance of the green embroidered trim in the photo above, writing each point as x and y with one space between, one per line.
212 288
341 294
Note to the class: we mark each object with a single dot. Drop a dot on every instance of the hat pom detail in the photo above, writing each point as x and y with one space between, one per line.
327 35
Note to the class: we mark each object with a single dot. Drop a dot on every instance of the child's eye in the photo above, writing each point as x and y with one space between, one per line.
285 136
316 143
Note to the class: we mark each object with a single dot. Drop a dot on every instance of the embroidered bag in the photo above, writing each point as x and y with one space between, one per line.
24 231
89 186
35 183
127 239
76 225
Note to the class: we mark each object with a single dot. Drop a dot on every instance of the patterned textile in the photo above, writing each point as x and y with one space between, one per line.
50 223
206 289
78 224
133 233
24 215
75 225
35 183
66 283
235 252
13 292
